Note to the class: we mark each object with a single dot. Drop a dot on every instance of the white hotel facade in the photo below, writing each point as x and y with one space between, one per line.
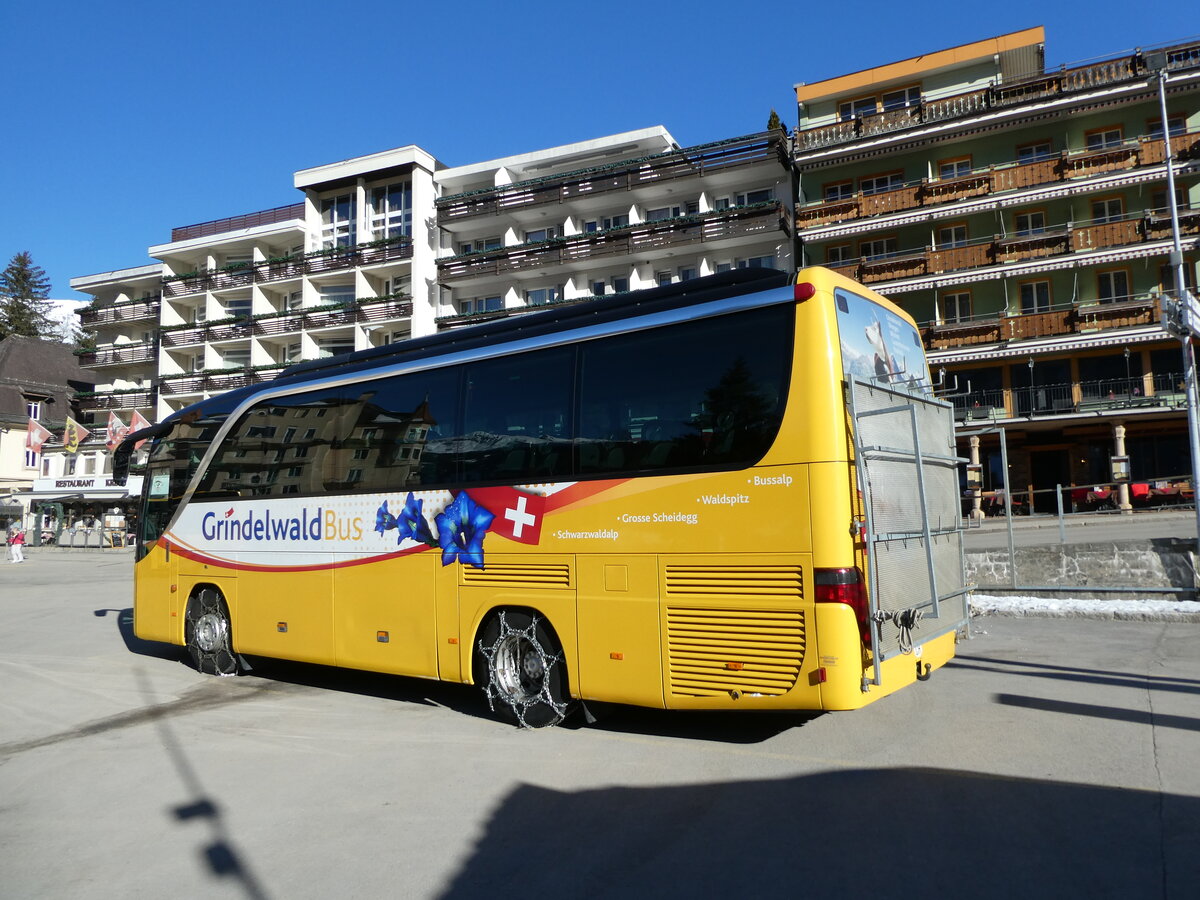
395 244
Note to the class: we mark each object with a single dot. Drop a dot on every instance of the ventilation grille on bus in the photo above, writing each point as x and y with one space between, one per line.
712 652
744 581
533 575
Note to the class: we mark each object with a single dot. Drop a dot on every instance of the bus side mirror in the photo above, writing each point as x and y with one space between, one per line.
124 451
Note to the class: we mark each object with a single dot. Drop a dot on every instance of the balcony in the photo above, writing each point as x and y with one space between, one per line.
119 355
1161 391
1053 243
1039 88
279 269
623 176
237 223
137 398
1076 319
215 382
762 218
364 310
117 313
995 179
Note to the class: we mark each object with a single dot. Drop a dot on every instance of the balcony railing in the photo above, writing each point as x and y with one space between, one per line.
623 176
128 311
631 239
1145 151
119 355
215 382
101 400
236 223
389 250
997 96
1078 318
369 309
1044 244
1161 390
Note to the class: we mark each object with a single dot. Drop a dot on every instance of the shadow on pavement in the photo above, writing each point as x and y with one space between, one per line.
903 832
134 643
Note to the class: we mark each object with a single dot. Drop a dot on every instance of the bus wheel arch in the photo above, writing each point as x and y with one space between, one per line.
208 632
519 664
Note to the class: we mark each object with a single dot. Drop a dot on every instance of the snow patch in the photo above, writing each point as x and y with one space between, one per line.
1144 610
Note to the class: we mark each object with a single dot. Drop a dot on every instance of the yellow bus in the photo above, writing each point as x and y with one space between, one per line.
738 492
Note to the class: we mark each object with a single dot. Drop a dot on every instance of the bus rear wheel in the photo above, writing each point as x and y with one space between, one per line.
522 669
208 633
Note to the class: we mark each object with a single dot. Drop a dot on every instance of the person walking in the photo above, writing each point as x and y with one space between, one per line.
16 544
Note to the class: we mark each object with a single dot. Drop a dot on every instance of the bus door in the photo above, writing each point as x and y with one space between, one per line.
907 472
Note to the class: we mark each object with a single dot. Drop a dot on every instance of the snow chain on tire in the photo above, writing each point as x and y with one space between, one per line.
522 705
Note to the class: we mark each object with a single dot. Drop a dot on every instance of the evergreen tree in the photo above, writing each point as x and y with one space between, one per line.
24 288
773 122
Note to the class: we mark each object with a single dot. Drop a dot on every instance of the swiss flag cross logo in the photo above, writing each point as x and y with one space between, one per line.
518 515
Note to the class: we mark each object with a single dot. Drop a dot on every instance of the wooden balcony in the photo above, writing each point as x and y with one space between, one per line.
237 223
623 176
1037 88
996 179
1033 246
631 239
216 382
369 309
1082 318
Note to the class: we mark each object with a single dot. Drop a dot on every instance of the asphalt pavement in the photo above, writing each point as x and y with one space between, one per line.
1051 758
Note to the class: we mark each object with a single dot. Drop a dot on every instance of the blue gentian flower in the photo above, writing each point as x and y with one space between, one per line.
461 529
411 523
384 520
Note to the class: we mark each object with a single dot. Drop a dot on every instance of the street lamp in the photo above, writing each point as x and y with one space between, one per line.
1031 387
1128 378
1157 62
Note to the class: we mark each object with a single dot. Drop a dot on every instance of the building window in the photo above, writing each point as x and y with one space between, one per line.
391 210
954 168
33 409
766 195
880 248
687 273
482 305
337 293
757 262
236 357
956 307
662 279
338 226
1113 286
898 99
1158 200
480 245
334 346
31 459
1030 223
663 213
606 223
1175 125
952 236
840 190
879 183
1028 153
1035 297
839 254
1108 209
863 106
543 296
1104 138
538 235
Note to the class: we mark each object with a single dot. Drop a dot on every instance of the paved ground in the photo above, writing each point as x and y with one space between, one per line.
1053 758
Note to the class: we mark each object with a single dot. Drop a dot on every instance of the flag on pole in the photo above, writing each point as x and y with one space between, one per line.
74 435
116 431
137 423
35 436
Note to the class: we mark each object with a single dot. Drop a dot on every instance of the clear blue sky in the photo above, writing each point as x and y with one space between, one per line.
126 119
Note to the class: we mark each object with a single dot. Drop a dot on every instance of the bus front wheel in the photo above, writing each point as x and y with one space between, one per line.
208 633
522 669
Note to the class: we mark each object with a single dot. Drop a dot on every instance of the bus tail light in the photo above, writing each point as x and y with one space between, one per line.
804 290
845 586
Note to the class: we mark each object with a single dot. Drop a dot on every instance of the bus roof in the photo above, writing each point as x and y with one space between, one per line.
525 325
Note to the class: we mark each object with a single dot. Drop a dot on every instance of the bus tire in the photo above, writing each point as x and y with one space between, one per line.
522 670
208 634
